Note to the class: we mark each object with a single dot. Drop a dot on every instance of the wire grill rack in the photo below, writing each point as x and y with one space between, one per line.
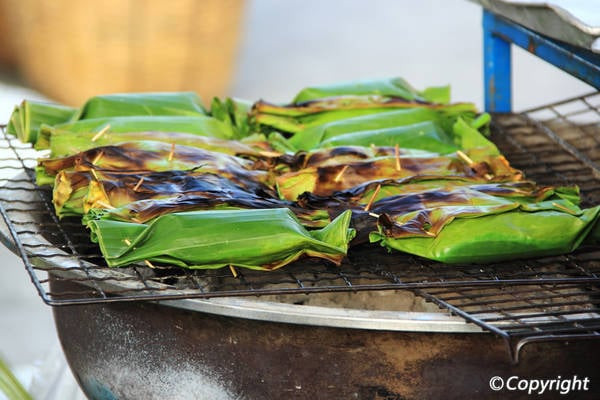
542 299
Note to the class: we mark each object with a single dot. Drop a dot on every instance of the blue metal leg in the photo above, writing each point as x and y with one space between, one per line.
496 68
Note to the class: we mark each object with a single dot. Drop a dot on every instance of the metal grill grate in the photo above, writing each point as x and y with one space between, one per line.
534 300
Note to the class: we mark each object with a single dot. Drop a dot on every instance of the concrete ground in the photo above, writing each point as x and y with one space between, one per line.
288 45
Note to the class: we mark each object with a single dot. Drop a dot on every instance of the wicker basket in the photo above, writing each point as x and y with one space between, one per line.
71 50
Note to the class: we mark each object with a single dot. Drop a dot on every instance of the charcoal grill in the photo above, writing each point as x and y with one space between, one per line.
552 299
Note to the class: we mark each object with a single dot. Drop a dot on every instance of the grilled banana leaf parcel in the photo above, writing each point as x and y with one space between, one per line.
64 143
104 126
122 104
149 156
467 225
26 119
295 118
331 178
311 138
256 239
392 87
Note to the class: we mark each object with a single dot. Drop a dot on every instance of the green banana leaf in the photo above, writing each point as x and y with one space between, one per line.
149 156
295 118
392 87
137 104
198 125
257 239
26 119
422 136
233 112
312 137
64 143
466 224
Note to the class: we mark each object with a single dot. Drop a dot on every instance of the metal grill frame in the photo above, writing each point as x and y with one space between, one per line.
522 302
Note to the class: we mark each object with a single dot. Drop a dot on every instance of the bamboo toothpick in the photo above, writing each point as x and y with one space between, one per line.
375 193
100 133
172 152
138 184
338 177
233 271
93 171
127 242
148 263
464 157
98 157
469 161
372 214
397 154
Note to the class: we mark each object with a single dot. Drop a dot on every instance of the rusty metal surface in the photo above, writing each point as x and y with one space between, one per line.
573 22
150 351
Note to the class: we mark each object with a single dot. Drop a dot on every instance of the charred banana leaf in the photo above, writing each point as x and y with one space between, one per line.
468 225
149 156
331 178
255 239
77 192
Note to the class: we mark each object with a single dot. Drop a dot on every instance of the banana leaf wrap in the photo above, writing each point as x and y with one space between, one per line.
62 145
483 224
140 197
393 87
198 125
149 156
123 104
76 192
257 239
330 178
298 117
27 118
312 137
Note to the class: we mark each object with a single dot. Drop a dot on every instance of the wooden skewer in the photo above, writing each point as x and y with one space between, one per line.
375 193
100 133
138 184
172 152
98 157
93 171
372 214
127 242
397 154
233 271
338 177
148 263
